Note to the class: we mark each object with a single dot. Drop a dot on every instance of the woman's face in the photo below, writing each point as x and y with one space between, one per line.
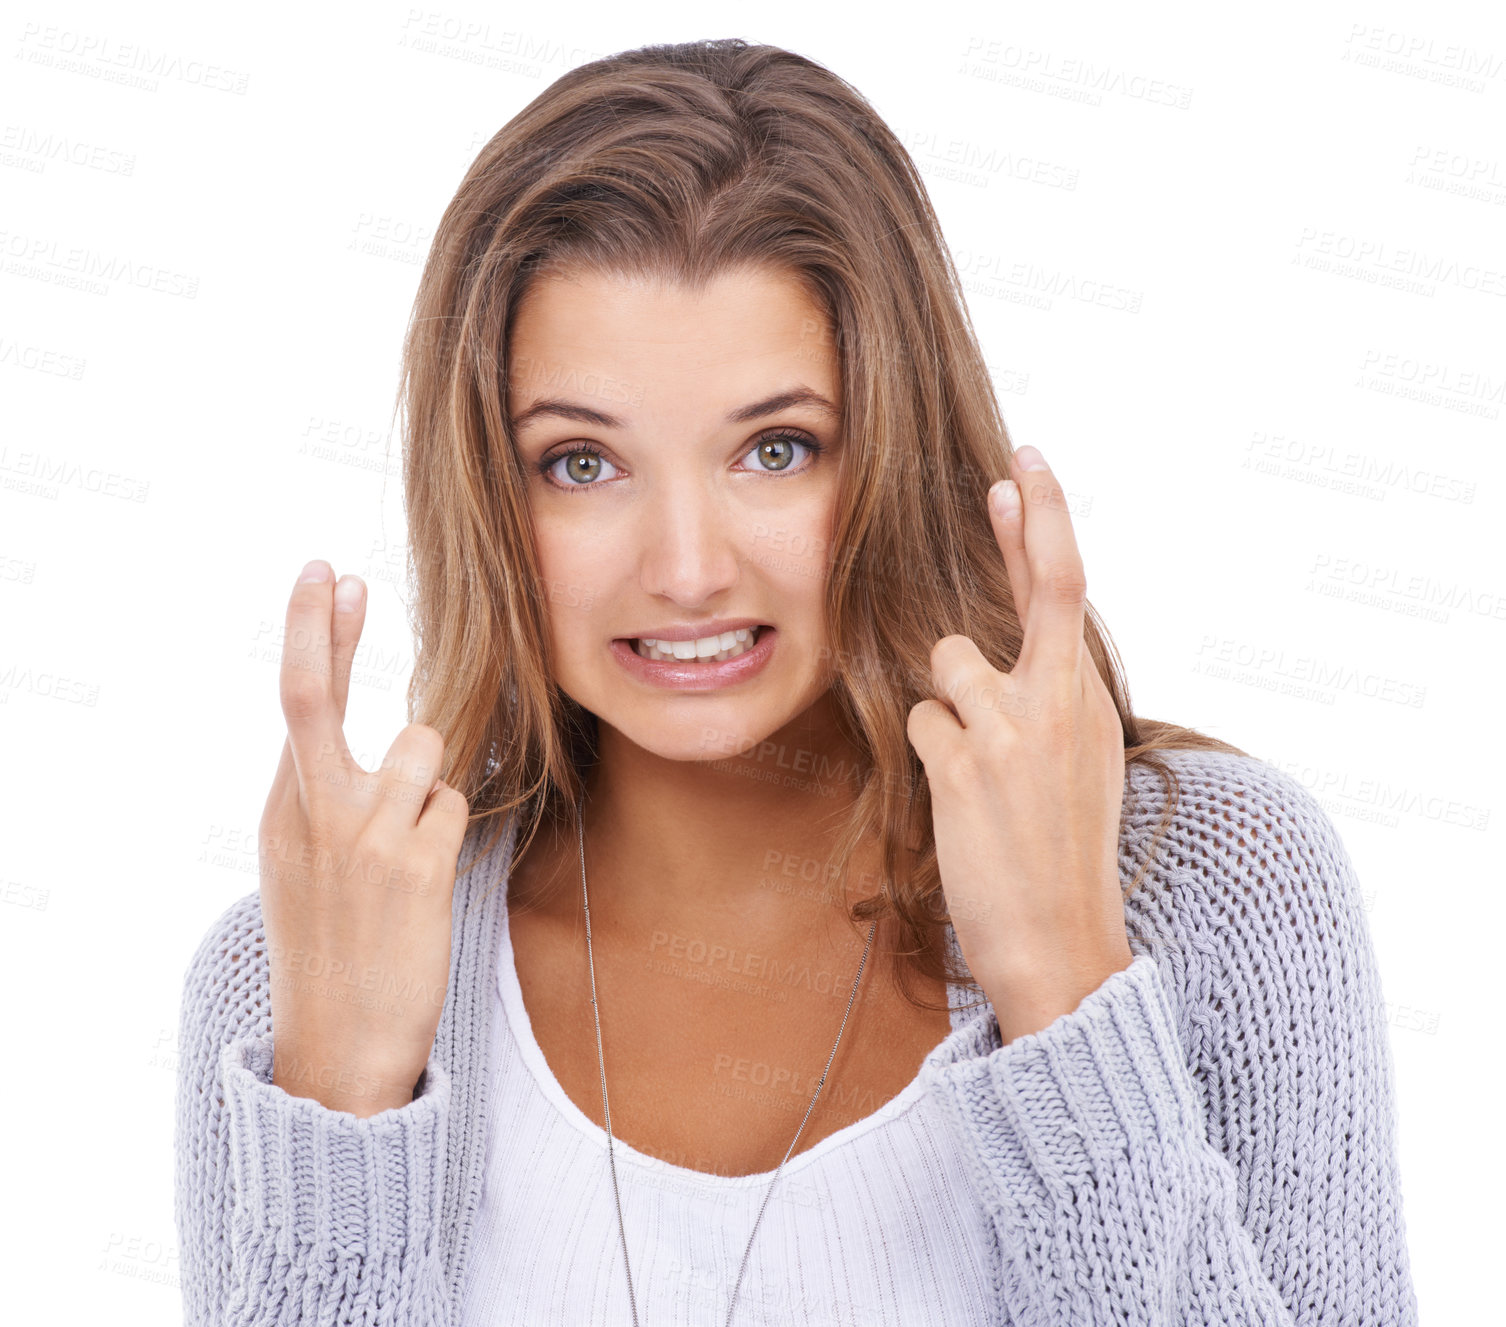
662 500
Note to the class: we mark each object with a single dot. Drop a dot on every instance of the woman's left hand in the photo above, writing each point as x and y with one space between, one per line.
1026 772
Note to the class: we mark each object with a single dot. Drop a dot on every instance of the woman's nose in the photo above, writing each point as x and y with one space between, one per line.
690 547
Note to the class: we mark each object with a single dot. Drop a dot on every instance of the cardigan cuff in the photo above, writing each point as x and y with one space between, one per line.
1055 1107
324 1186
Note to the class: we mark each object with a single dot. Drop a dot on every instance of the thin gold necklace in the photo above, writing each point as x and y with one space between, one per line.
607 1112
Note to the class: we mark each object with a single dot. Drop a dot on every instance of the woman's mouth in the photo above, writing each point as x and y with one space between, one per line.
708 649
730 658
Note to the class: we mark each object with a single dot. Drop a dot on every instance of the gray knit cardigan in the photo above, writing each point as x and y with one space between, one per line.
1209 1137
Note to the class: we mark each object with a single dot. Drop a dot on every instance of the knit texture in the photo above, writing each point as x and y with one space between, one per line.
1209 1137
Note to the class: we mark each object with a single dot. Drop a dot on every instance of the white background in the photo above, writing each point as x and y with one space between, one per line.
1280 429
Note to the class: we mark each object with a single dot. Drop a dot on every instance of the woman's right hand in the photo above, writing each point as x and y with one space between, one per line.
357 876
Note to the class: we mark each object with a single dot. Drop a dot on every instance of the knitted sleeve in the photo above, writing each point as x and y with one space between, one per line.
289 1212
1209 1137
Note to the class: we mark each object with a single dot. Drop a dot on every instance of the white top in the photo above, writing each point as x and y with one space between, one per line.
878 1223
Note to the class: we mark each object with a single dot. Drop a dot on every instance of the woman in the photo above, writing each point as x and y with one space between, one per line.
850 779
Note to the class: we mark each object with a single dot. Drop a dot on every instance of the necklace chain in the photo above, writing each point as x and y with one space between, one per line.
607 1112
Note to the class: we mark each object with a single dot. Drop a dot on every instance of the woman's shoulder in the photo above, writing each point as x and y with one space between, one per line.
1235 775
1246 847
1233 813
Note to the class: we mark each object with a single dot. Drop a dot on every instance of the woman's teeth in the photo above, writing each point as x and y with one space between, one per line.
708 649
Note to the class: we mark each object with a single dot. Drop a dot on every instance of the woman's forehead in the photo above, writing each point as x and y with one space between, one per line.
637 343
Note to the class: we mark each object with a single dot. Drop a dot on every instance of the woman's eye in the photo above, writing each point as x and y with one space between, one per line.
776 447
580 470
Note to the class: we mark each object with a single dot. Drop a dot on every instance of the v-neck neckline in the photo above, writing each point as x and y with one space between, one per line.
510 994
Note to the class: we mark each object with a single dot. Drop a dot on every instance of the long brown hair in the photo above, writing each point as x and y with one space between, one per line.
680 162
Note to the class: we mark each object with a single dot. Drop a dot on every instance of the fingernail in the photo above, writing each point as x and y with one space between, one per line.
317 570
1005 496
1029 458
348 594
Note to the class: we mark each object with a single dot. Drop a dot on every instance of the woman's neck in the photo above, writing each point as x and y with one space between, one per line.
684 848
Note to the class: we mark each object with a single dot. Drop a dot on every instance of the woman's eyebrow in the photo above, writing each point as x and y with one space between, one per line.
559 408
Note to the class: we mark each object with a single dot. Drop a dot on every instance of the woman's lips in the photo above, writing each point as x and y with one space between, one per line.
686 675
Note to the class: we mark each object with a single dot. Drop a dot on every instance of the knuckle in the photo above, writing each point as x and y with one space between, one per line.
301 693
960 768
428 753
1063 582
380 851
416 756
448 801
1000 739
426 738
1064 726
945 646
